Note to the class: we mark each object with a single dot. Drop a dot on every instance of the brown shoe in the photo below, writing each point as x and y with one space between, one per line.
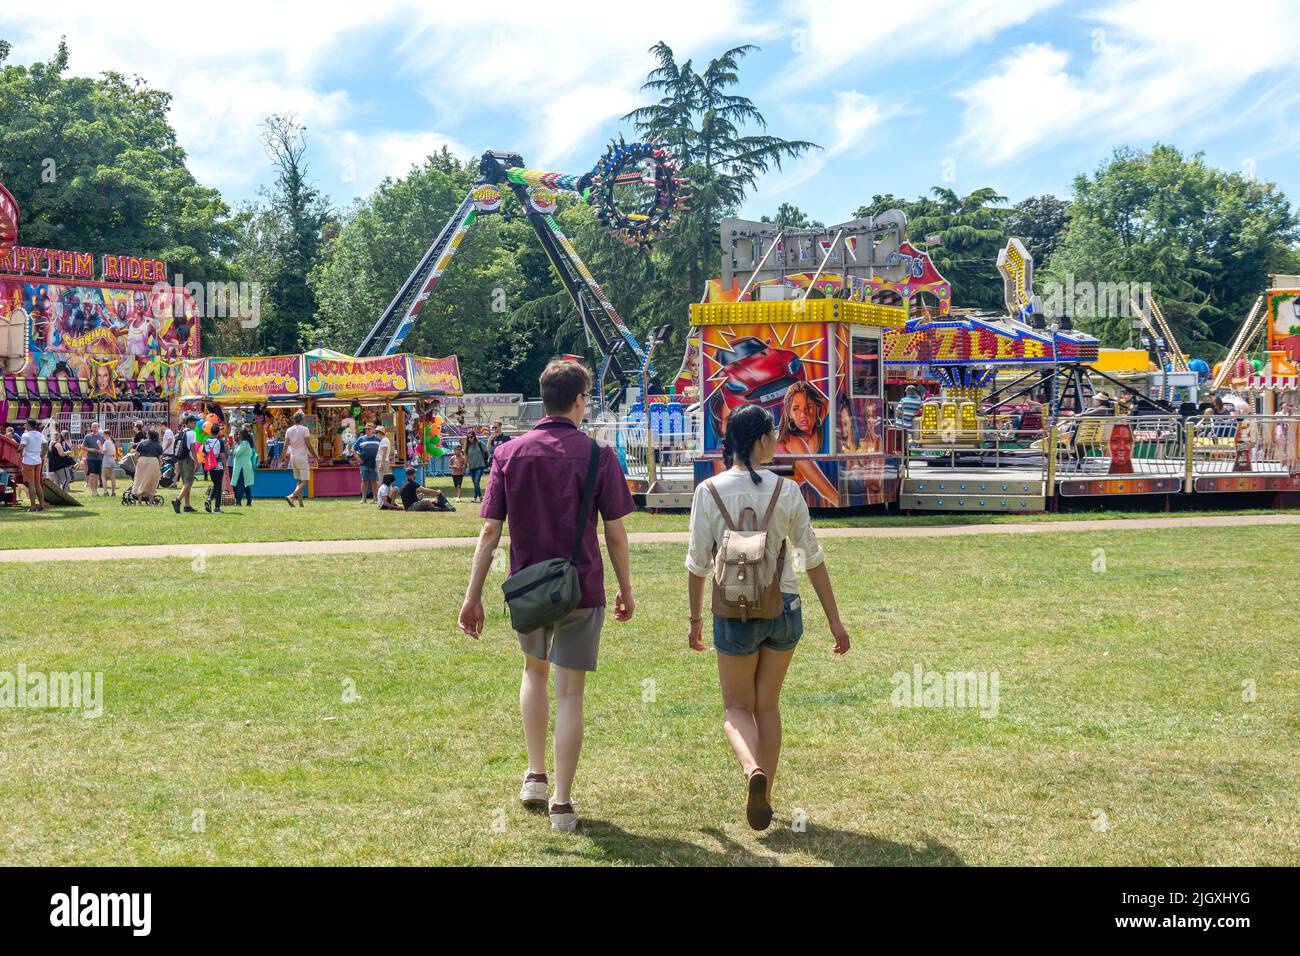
757 809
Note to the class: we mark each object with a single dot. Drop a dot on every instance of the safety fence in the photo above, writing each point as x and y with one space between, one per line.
1169 447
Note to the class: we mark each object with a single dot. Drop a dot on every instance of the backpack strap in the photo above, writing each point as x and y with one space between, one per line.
726 516
771 505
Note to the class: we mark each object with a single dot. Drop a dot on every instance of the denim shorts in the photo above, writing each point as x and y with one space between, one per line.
369 474
740 638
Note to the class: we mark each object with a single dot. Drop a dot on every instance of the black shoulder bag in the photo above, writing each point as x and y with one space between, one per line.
542 593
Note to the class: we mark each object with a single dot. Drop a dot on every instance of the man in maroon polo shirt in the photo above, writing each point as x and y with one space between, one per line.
536 482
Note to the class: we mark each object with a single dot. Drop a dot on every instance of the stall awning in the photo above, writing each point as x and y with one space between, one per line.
319 374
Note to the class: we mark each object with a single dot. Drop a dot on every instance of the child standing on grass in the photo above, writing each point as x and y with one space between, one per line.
458 461
214 453
753 654
109 462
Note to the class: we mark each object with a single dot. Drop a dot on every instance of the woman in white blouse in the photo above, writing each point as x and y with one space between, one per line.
753 655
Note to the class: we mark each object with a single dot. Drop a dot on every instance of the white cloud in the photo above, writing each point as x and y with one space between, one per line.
828 35
1158 66
227 67
549 82
563 78
364 159
852 119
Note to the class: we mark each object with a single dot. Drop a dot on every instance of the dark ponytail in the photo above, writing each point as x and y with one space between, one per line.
745 426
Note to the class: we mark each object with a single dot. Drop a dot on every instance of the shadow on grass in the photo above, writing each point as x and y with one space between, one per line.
612 843
847 848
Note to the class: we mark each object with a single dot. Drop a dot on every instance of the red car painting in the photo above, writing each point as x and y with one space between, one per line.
755 372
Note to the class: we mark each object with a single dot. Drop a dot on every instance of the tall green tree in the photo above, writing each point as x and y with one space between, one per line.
972 229
1204 238
292 222
94 165
722 143
790 216
1040 222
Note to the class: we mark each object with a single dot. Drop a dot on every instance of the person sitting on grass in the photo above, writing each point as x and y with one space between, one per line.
384 496
417 498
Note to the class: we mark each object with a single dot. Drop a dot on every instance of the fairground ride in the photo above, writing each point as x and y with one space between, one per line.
635 191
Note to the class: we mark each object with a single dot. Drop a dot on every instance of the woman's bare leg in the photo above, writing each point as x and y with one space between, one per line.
772 666
737 677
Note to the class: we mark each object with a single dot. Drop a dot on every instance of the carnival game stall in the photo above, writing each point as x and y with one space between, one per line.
338 395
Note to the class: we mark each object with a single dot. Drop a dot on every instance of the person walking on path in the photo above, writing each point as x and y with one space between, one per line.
475 463
537 483
754 653
297 439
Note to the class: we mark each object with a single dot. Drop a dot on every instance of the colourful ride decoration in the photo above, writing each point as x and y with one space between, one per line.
8 221
635 191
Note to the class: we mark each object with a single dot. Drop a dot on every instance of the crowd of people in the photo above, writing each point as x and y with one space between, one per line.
226 457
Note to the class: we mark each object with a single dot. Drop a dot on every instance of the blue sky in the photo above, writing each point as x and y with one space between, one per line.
902 96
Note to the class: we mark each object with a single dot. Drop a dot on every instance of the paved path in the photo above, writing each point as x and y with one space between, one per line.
255 548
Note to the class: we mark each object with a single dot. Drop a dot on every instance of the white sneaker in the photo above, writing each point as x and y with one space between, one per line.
564 817
534 789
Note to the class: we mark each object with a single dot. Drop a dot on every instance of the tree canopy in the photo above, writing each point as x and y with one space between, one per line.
94 164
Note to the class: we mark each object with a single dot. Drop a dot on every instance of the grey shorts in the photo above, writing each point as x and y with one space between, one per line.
572 641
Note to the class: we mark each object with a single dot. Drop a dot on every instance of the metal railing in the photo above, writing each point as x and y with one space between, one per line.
1001 440
651 456
1086 445
1127 446
1246 444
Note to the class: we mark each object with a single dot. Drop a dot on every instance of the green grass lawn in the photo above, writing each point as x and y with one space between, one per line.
106 521
1121 737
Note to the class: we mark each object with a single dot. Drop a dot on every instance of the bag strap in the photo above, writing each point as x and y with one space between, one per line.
726 515
771 505
584 509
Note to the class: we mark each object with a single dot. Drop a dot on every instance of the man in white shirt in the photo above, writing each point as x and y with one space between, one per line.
297 439
168 441
33 445
109 476
384 460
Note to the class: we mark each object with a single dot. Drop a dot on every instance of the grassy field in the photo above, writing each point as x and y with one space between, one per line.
1122 734
105 521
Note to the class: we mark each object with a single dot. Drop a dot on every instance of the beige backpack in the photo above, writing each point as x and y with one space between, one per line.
746 579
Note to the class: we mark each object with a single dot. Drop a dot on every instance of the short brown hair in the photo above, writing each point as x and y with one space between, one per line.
561 382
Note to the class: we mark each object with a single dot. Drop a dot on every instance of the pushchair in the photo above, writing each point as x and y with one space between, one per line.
127 463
